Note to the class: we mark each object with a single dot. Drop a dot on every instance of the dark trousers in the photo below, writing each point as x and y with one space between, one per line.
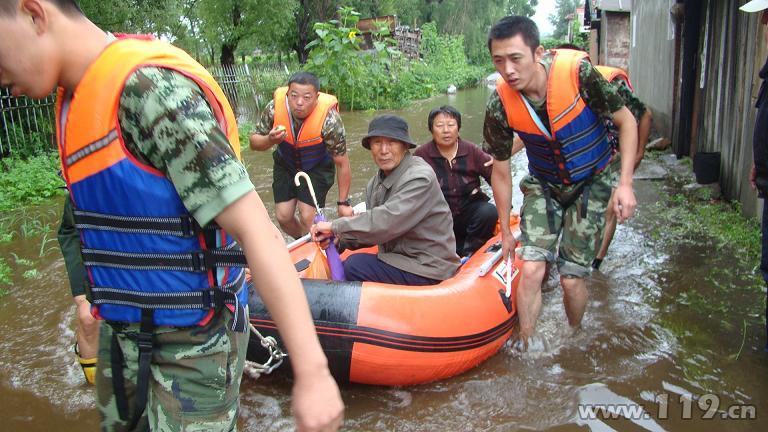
764 264
474 226
368 267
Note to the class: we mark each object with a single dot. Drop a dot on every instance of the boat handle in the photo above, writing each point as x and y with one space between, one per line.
299 241
486 267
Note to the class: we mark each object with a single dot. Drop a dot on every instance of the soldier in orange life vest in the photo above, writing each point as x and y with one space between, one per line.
556 103
306 126
150 152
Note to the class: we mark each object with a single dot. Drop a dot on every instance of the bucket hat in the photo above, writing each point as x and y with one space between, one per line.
755 6
390 126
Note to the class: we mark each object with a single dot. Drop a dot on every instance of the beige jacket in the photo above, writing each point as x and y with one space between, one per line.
408 219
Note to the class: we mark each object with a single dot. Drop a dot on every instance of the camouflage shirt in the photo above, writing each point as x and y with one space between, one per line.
633 103
333 132
635 106
599 95
167 123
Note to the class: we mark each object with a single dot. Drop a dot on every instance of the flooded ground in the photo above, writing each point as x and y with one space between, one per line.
673 336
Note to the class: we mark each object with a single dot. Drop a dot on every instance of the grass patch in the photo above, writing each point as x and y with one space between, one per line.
720 224
29 181
5 276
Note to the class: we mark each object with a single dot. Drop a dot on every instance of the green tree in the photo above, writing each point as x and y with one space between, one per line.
230 22
559 19
522 7
471 19
136 16
306 14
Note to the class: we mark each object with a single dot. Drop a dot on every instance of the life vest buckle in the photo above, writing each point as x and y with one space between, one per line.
187 226
202 261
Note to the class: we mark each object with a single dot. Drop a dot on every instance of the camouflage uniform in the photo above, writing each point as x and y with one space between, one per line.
322 174
69 243
633 103
195 376
580 236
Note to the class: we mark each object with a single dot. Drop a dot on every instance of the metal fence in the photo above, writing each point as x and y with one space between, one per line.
25 124
249 88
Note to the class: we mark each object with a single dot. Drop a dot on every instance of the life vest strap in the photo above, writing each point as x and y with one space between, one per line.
181 226
197 261
209 298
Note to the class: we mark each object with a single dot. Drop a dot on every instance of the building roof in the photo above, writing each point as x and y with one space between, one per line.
614 5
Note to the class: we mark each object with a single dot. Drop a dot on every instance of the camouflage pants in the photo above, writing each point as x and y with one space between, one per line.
579 236
194 379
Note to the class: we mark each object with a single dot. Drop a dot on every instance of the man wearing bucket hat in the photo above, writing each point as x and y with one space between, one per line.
408 217
758 175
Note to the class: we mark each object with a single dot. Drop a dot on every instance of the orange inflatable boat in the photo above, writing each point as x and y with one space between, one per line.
374 333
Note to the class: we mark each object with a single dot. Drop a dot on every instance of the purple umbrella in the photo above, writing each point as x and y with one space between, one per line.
334 260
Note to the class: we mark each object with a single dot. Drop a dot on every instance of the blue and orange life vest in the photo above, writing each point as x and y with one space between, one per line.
303 149
141 247
577 146
611 74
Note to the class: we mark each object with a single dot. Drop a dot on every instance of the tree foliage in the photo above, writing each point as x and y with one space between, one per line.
218 31
229 23
136 16
522 7
559 20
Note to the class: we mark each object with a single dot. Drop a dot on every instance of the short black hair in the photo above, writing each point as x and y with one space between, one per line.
69 7
570 46
304 78
511 26
447 110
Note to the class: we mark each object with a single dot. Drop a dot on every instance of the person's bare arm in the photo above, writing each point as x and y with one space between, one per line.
317 403
517 145
625 202
265 142
344 179
643 131
501 184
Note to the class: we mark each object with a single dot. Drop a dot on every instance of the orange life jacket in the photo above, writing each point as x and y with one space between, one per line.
575 146
142 249
305 148
611 73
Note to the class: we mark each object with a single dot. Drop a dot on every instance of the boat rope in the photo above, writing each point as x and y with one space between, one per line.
276 356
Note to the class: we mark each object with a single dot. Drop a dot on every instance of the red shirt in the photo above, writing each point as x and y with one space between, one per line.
460 179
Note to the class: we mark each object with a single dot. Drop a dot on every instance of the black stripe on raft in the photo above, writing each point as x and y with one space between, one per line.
329 301
404 342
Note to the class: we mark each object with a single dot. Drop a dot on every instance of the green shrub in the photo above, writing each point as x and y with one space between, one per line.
382 77
29 181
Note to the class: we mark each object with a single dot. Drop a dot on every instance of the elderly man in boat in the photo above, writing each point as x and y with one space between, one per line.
407 218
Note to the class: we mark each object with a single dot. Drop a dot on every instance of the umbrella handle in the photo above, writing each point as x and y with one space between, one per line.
297 181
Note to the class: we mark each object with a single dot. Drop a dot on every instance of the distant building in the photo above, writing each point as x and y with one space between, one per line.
610 22
408 39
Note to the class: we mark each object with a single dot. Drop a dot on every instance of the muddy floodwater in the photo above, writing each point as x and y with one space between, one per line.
672 339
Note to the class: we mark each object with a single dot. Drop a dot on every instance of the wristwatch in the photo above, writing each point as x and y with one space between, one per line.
344 203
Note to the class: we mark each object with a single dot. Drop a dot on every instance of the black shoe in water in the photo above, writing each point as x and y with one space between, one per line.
596 263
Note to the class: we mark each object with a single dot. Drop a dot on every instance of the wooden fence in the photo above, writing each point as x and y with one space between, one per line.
25 123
